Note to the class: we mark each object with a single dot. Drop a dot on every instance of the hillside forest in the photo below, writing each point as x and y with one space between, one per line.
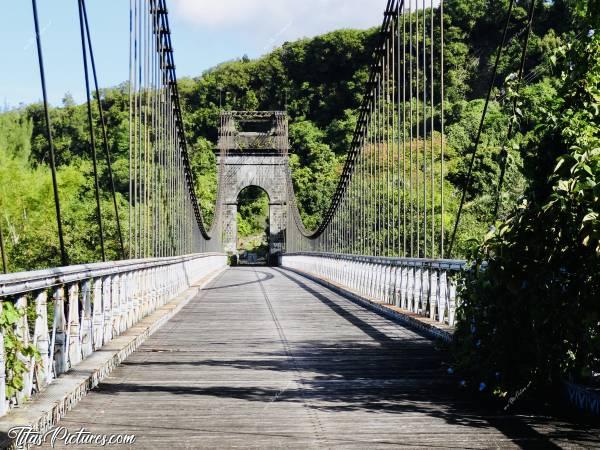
320 82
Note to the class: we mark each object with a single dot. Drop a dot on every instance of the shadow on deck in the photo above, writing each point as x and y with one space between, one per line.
294 352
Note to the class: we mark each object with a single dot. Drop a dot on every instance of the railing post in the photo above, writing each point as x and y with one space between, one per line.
376 280
162 283
137 293
403 287
433 294
365 277
133 311
396 283
425 290
418 290
389 285
410 288
168 281
451 301
379 282
116 311
132 293
73 328
87 332
443 295
107 308
97 315
22 333
125 305
155 301
160 300
383 282
59 332
370 278
41 339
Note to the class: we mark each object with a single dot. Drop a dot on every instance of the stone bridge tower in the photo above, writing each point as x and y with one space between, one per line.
253 151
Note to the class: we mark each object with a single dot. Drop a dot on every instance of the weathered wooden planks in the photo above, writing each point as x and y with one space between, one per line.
264 358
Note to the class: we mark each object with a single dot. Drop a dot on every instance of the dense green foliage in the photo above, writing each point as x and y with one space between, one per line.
531 317
16 352
253 220
321 83
27 204
26 199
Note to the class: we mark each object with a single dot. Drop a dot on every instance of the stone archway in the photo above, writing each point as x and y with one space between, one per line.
254 158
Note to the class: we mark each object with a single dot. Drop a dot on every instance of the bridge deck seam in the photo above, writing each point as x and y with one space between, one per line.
313 416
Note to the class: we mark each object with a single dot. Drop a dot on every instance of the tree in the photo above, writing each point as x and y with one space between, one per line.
539 290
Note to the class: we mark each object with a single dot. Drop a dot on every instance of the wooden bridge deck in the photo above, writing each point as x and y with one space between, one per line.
263 358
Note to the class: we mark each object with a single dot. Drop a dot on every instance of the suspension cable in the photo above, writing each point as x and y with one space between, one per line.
388 198
442 131
504 153
92 135
63 251
164 214
104 132
480 129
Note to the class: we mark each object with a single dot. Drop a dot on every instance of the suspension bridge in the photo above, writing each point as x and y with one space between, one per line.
341 341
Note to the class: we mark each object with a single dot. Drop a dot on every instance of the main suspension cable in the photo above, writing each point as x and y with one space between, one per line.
388 198
164 214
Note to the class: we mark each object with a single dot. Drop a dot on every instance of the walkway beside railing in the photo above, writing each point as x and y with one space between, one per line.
424 287
68 313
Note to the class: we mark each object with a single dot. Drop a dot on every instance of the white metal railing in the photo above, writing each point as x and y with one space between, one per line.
75 310
422 286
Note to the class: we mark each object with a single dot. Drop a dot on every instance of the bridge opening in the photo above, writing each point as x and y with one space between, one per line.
253 152
253 228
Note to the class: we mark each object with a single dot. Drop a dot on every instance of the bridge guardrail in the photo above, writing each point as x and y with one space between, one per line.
426 287
89 305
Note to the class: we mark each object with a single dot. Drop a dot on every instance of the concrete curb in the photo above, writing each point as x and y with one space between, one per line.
428 327
47 408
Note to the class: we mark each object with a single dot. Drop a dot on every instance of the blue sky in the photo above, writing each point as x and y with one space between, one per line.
205 33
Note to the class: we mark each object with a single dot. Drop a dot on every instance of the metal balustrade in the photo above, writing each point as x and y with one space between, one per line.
75 310
426 287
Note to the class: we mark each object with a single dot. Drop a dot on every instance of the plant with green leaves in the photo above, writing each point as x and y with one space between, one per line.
17 355
531 317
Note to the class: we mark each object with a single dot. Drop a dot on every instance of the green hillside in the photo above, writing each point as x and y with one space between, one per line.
320 81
